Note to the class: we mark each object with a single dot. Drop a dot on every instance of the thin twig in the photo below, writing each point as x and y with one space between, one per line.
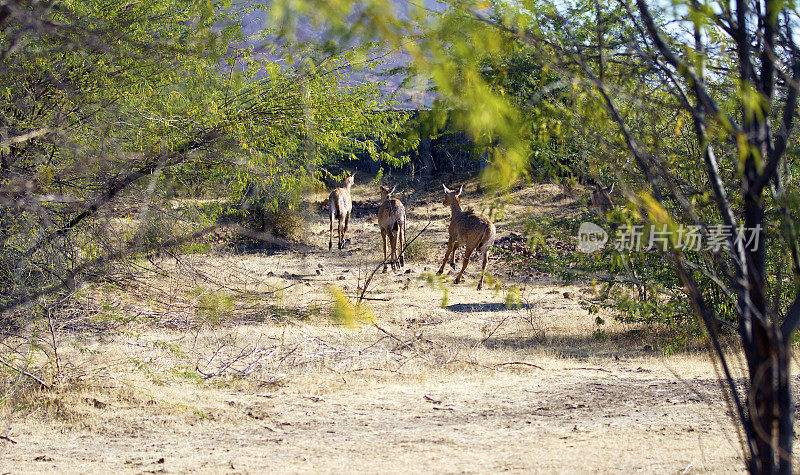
374 271
23 372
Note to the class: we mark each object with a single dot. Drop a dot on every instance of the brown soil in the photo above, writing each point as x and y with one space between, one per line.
270 383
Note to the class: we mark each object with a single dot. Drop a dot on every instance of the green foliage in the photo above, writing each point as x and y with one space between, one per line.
438 281
116 111
493 283
212 305
345 312
638 287
188 373
451 54
513 298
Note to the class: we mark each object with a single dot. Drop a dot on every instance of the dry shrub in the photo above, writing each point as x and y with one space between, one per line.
421 251
283 221
286 224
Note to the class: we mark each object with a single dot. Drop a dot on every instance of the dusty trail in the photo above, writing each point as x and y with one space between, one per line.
468 387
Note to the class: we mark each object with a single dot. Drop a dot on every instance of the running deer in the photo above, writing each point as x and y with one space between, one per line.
392 221
341 205
468 229
601 198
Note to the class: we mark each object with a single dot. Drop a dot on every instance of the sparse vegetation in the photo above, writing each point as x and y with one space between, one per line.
165 287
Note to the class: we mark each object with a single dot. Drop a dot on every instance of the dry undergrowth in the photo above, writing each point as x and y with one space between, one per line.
230 362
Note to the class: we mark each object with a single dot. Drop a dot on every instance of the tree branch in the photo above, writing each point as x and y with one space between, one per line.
115 187
706 314
789 110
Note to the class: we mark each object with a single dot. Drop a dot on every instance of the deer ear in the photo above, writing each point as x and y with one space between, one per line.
459 191
445 188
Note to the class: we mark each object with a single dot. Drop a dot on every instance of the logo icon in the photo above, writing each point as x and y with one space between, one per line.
591 237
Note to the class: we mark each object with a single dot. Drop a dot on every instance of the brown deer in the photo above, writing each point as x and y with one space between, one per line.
392 221
601 198
341 205
468 229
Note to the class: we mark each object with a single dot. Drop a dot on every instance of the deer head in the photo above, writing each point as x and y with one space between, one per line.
386 193
450 195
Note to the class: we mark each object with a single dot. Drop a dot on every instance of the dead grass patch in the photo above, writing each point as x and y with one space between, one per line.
259 376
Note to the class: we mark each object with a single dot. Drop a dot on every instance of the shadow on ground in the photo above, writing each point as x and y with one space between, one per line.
579 347
487 307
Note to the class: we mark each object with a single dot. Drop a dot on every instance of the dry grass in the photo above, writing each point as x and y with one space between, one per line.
270 381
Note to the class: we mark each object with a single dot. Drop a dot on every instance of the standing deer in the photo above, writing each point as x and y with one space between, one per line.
341 205
392 221
601 198
468 229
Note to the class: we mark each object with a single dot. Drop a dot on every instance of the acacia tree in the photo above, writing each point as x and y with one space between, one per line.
636 76
109 108
768 66
752 45
733 70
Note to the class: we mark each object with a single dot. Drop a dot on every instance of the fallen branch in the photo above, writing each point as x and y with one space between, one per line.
491 334
25 373
520 363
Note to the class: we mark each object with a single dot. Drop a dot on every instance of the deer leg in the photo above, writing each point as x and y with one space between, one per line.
450 248
330 236
483 266
467 254
346 222
393 238
339 232
383 236
453 256
401 233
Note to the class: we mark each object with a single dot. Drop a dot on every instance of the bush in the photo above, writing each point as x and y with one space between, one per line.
272 211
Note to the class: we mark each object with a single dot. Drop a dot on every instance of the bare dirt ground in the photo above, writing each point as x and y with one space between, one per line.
270 383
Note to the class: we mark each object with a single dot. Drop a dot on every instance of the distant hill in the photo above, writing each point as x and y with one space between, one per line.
388 66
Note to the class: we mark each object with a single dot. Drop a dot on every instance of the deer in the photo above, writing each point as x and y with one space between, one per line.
601 198
341 205
392 221
468 229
